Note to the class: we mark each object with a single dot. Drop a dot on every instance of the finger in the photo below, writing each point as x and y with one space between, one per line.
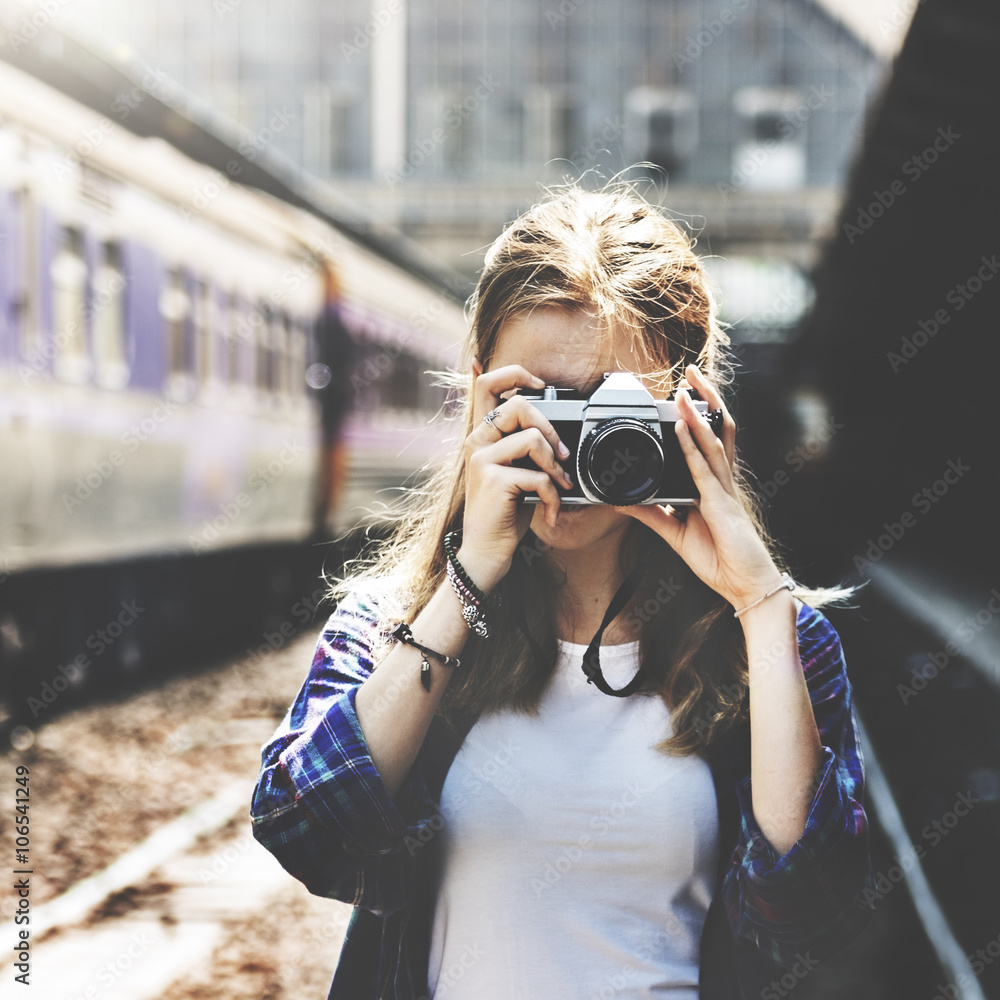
516 414
713 397
489 386
705 477
549 495
526 443
518 482
711 449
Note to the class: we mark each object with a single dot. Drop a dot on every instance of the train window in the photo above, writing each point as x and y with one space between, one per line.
204 322
297 341
402 388
24 304
279 349
431 396
264 343
371 363
238 330
68 273
232 324
109 320
175 306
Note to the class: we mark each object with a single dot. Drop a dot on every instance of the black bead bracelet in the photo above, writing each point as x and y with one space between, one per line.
452 553
470 596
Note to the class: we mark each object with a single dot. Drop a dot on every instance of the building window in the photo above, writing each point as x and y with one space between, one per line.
109 320
444 135
506 135
68 273
347 140
551 125
662 127
335 137
770 151
763 299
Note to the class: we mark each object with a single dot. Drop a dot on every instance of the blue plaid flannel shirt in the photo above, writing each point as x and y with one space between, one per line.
320 807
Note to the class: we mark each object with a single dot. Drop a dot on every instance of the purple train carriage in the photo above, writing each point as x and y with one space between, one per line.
198 381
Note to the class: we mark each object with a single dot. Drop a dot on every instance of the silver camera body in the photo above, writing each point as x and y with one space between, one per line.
623 447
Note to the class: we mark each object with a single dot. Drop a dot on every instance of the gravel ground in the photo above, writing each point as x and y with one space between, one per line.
286 952
104 777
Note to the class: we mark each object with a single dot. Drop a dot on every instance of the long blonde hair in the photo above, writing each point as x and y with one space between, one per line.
616 255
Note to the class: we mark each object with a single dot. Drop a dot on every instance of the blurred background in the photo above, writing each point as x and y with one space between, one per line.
236 234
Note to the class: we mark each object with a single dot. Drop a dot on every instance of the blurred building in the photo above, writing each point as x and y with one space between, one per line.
442 116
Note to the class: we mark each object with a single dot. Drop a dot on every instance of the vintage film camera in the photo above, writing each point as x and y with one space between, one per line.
623 448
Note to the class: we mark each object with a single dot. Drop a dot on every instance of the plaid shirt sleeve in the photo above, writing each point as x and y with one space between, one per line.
320 806
811 900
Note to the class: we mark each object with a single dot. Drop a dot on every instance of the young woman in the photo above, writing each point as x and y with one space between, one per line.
571 751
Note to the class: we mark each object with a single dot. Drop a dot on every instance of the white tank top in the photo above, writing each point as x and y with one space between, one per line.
579 862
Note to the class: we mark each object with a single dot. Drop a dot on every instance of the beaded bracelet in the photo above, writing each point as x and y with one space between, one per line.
470 596
403 633
787 583
452 552
472 610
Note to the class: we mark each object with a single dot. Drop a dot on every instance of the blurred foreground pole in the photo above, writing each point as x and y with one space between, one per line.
903 338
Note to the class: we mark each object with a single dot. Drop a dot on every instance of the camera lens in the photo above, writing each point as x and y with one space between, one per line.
621 461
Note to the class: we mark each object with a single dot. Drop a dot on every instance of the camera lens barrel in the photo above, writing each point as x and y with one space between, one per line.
621 462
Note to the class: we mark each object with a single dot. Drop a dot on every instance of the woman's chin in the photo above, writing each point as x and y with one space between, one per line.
574 518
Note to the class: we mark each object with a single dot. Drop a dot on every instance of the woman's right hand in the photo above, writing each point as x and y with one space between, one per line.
495 521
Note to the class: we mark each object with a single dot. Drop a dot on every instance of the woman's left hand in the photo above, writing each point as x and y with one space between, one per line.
717 539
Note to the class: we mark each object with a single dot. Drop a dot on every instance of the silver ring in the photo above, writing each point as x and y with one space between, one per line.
490 417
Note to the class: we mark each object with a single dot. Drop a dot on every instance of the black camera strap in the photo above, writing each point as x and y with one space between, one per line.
592 658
